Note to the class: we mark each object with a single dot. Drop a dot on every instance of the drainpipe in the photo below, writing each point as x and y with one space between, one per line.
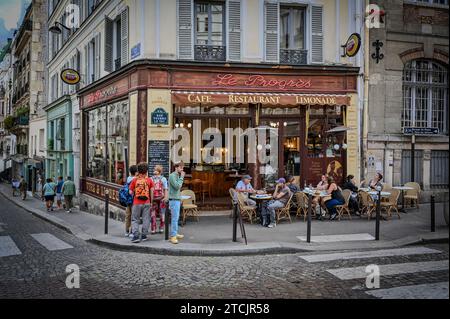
365 116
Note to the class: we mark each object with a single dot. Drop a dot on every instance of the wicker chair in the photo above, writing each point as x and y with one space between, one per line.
302 205
412 195
341 209
285 212
189 206
247 211
391 203
367 203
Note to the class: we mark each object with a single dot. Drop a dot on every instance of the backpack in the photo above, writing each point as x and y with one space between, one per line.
125 198
158 190
141 189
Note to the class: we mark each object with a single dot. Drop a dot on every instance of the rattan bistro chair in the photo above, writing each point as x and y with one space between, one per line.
367 203
412 195
247 211
341 209
391 203
189 206
285 212
302 205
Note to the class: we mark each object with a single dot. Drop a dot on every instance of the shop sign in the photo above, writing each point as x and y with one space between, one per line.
70 76
420 130
101 94
261 81
159 117
98 190
352 46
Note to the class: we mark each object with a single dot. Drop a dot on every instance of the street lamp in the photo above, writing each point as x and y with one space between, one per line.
56 29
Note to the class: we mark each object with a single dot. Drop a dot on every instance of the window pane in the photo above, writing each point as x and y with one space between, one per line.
96 143
298 28
117 142
216 25
284 28
201 12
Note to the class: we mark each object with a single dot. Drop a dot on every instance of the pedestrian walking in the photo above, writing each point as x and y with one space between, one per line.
142 189
59 194
23 187
176 180
69 192
15 186
160 197
133 173
49 194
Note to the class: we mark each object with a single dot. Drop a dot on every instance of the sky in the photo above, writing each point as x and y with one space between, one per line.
11 14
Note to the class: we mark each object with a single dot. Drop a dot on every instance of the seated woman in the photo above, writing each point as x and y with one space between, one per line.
350 185
375 183
336 198
323 185
290 182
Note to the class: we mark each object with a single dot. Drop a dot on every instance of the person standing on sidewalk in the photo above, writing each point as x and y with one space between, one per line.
161 197
49 194
59 195
69 191
142 189
133 174
23 187
176 180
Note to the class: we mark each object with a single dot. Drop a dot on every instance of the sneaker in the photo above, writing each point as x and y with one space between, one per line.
271 225
179 236
153 232
131 235
68 211
332 217
173 240
127 234
135 239
161 230
144 238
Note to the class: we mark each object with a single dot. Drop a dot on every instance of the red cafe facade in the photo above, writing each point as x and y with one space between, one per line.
127 114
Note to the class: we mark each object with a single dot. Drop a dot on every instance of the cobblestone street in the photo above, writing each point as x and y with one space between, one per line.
34 267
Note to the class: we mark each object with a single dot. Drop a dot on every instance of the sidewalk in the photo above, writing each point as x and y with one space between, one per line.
212 235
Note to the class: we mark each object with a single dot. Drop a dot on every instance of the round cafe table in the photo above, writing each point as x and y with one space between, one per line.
403 189
260 199
321 195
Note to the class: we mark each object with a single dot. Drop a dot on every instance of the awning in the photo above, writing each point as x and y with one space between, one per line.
214 98
18 158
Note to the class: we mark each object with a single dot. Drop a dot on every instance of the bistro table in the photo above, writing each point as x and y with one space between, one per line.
314 193
260 199
403 189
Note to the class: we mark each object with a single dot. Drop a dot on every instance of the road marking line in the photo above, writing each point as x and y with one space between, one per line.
8 247
437 290
50 242
390 269
338 238
370 254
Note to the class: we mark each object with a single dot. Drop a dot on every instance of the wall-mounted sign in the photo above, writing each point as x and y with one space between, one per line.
159 154
136 51
352 45
102 94
262 81
420 130
70 76
159 117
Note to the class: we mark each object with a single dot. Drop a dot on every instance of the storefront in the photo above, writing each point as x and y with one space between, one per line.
127 116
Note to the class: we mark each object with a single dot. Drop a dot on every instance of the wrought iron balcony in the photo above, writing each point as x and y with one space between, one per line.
117 63
209 53
295 57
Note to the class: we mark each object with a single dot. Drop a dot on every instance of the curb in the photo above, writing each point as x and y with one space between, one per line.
278 248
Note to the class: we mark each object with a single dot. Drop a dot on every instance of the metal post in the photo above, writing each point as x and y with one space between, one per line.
377 222
106 210
166 223
308 227
413 151
433 215
234 222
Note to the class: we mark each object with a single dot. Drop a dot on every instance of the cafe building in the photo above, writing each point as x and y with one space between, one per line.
128 116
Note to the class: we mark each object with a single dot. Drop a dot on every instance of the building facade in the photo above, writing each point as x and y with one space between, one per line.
409 88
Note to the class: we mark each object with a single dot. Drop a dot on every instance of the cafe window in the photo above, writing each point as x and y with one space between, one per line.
212 109
108 142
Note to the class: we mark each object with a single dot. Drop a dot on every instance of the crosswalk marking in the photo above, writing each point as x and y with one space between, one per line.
338 238
50 242
425 291
370 254
8 247
391 269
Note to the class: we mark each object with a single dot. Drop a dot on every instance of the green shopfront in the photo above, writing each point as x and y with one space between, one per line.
59 160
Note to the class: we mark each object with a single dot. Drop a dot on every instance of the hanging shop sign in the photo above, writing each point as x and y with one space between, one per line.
70 76
352 46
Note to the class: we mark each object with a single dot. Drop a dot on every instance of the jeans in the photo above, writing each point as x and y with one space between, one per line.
159 206
175 212
136 212
271 207
331 204
69 201
128 218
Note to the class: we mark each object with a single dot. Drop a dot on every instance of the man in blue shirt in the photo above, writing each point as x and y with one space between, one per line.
244 186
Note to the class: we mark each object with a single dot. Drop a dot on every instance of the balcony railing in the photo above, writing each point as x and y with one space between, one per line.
117 63
209 53
22 120
295 57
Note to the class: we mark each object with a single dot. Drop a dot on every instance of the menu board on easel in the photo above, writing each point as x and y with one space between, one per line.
159 154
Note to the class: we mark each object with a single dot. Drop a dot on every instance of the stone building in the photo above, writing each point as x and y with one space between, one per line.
408 87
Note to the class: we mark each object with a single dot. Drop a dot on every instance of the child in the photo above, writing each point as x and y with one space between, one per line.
160 196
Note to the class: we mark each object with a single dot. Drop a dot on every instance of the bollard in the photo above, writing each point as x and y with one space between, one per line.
234 222
106 210
377 222
166 222
433 215
308 227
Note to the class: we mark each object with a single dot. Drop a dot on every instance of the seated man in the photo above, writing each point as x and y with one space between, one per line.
290 182
280 198
244 186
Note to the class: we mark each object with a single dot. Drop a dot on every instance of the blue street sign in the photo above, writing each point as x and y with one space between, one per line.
159 117
136 51
420 130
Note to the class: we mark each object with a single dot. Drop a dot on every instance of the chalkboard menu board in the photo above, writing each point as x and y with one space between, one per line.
158 154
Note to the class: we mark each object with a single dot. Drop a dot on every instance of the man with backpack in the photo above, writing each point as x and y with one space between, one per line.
160 196
141 188
129 201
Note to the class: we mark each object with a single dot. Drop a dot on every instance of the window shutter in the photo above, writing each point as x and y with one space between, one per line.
234 30
271 13
124 35
108 45
97 57
316 34
78 68
87 77
185 40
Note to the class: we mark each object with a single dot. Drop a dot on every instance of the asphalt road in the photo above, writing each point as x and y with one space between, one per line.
34 256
